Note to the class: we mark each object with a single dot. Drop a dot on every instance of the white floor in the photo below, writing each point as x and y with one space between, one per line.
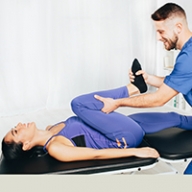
161 168
50 117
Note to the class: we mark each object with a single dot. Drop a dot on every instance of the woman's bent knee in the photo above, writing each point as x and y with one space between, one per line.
75 105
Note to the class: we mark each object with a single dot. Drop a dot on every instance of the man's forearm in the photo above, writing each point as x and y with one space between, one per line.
142 101
155 81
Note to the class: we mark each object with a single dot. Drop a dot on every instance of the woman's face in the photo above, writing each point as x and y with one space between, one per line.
21 133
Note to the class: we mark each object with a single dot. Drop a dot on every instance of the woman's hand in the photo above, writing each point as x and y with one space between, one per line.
145 152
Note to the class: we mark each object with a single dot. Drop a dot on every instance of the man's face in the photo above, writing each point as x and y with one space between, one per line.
166 34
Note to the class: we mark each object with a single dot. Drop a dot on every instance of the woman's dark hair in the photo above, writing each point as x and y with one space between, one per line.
14 151
168 10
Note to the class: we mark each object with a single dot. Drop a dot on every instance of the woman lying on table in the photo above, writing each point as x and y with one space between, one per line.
93 134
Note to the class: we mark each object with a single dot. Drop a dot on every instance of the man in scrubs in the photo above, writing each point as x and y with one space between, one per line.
172 29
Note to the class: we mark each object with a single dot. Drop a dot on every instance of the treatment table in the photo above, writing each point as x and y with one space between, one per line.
45 164
173 145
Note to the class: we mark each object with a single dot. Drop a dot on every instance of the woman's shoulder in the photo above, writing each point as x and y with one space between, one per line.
59 141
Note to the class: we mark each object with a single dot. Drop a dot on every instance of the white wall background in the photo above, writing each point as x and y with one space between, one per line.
54 50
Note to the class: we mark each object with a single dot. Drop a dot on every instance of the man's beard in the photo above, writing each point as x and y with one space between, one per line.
171 44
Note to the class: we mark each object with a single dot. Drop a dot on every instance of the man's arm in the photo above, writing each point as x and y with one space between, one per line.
155 81
158 98
152 80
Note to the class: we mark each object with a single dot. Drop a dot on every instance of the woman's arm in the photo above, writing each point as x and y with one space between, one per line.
66 153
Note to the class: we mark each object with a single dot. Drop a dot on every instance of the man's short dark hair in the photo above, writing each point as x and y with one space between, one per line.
168 10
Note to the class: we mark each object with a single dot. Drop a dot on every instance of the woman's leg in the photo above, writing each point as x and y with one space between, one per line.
115 126
156 121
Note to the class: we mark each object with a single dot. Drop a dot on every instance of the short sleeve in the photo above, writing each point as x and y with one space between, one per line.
181 77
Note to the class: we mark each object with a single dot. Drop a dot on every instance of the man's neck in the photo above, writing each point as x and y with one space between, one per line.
183 39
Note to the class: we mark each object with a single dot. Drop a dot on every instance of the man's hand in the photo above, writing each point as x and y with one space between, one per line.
109 104
140 72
